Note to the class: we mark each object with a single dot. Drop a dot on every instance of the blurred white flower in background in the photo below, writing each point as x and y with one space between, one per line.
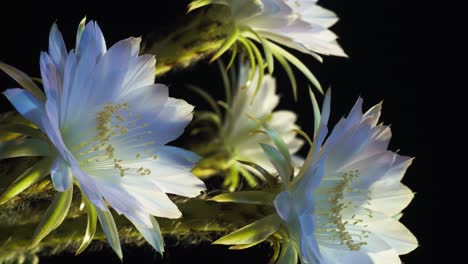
299 24
240 133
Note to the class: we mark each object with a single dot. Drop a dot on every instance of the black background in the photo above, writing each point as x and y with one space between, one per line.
381 37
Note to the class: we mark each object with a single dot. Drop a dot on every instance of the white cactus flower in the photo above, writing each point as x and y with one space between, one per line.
240 133
299 24
345 203
109 123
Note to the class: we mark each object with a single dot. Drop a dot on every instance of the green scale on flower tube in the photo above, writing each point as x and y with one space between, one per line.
334 225
117 127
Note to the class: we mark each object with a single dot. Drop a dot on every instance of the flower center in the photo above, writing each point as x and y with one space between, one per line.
335 223
119 132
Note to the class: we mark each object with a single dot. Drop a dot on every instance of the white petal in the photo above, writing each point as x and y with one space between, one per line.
120 198
394 234
389 197
320 16
177 157
389 256
371 169
109 77
374 114
89 187
399 168
240 126
152 234
140 72
335 256
148 101
172 120
61 174
150 197
184 184
92 48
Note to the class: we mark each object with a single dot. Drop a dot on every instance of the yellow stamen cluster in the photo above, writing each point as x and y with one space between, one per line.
113 127
337 198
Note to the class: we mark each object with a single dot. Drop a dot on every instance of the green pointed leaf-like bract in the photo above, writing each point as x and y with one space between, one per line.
31 176
287 68
288 254
278 161
91 226
23 79
54 215
296 62
227 44
255 232
21 147
246 197
110 229
21 129
270 178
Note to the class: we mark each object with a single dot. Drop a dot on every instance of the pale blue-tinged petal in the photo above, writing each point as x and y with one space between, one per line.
68 77
355 115
110 229
309 248
283 206
152 234
140 72
148 101
326 107
89 187
172 120
33 109
57 49
359 142
151 197
61 174
374 114
371 169
108 79
304 187
91 48
26 104
119 198
92 42
184 183
399 167
335 256
178 157
53 88
51 79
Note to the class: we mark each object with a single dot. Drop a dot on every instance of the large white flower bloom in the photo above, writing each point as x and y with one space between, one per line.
344 205
298 24
109 123
240 133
